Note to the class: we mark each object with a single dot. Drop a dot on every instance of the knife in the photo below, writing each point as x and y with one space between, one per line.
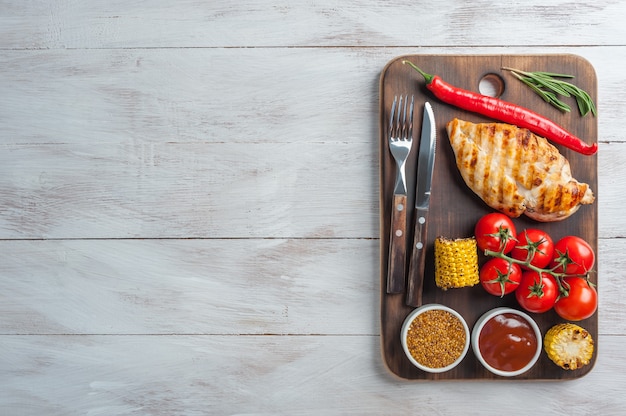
425 168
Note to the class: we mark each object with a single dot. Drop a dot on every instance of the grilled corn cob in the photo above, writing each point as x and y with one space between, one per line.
569 346
456 263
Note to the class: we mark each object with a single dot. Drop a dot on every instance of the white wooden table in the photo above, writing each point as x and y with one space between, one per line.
189 203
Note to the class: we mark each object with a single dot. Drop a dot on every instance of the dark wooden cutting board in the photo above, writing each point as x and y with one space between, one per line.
455 208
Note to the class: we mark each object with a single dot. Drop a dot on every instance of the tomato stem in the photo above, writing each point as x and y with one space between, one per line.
502 280
562 262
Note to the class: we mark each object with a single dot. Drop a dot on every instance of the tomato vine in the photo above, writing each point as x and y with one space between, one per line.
560 263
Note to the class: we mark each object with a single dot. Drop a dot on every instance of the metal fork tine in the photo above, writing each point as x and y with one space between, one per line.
393 110
401 112
401 118
410 133
396 120
406 122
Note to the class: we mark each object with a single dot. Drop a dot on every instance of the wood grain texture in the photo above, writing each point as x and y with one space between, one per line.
204 95
119 191
135 141
233 375
211 190
185 95
396 269
212 287
455 209
253 23
189 286
174 236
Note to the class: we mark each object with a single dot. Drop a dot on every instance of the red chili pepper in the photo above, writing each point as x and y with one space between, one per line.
504 111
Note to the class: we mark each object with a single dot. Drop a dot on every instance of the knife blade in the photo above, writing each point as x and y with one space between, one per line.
425 169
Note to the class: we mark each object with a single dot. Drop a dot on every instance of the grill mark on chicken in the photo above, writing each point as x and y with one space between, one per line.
487 176
516 171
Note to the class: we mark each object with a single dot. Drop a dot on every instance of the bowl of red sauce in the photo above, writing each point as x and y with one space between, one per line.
506 341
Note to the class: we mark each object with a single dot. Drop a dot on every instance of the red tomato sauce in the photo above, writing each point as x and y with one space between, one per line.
507 342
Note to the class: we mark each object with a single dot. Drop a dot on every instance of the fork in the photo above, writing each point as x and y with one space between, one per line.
400 141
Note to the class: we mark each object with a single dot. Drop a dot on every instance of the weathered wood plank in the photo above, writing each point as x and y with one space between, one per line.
212 190
215 190
225 375
196 95
215 120
189 287
255 23
215 287
189 95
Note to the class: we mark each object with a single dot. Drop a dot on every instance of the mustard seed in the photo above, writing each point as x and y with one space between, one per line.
436 338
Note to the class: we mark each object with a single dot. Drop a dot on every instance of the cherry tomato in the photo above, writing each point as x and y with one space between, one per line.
580 303
499 277
535 243
537 294
492 229
575 253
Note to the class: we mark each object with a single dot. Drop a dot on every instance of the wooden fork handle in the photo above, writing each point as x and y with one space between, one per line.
396 270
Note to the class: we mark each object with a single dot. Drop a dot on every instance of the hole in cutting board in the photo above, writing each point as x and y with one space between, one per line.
491 85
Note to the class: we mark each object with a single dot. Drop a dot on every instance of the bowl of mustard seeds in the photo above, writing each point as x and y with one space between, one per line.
435 338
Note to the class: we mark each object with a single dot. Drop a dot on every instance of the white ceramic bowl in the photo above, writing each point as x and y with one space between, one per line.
405 329
480 324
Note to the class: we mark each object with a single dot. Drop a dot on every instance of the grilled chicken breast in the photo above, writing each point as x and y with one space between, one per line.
515 171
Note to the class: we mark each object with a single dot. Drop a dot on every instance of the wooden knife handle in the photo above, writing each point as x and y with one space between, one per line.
418 260
396 270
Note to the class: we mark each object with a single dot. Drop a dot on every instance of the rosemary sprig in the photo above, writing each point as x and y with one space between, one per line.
549 89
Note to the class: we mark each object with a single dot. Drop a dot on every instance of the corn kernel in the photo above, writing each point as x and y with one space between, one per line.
569 346
456 263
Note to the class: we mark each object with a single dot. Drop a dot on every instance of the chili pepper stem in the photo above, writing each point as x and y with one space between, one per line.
427 77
